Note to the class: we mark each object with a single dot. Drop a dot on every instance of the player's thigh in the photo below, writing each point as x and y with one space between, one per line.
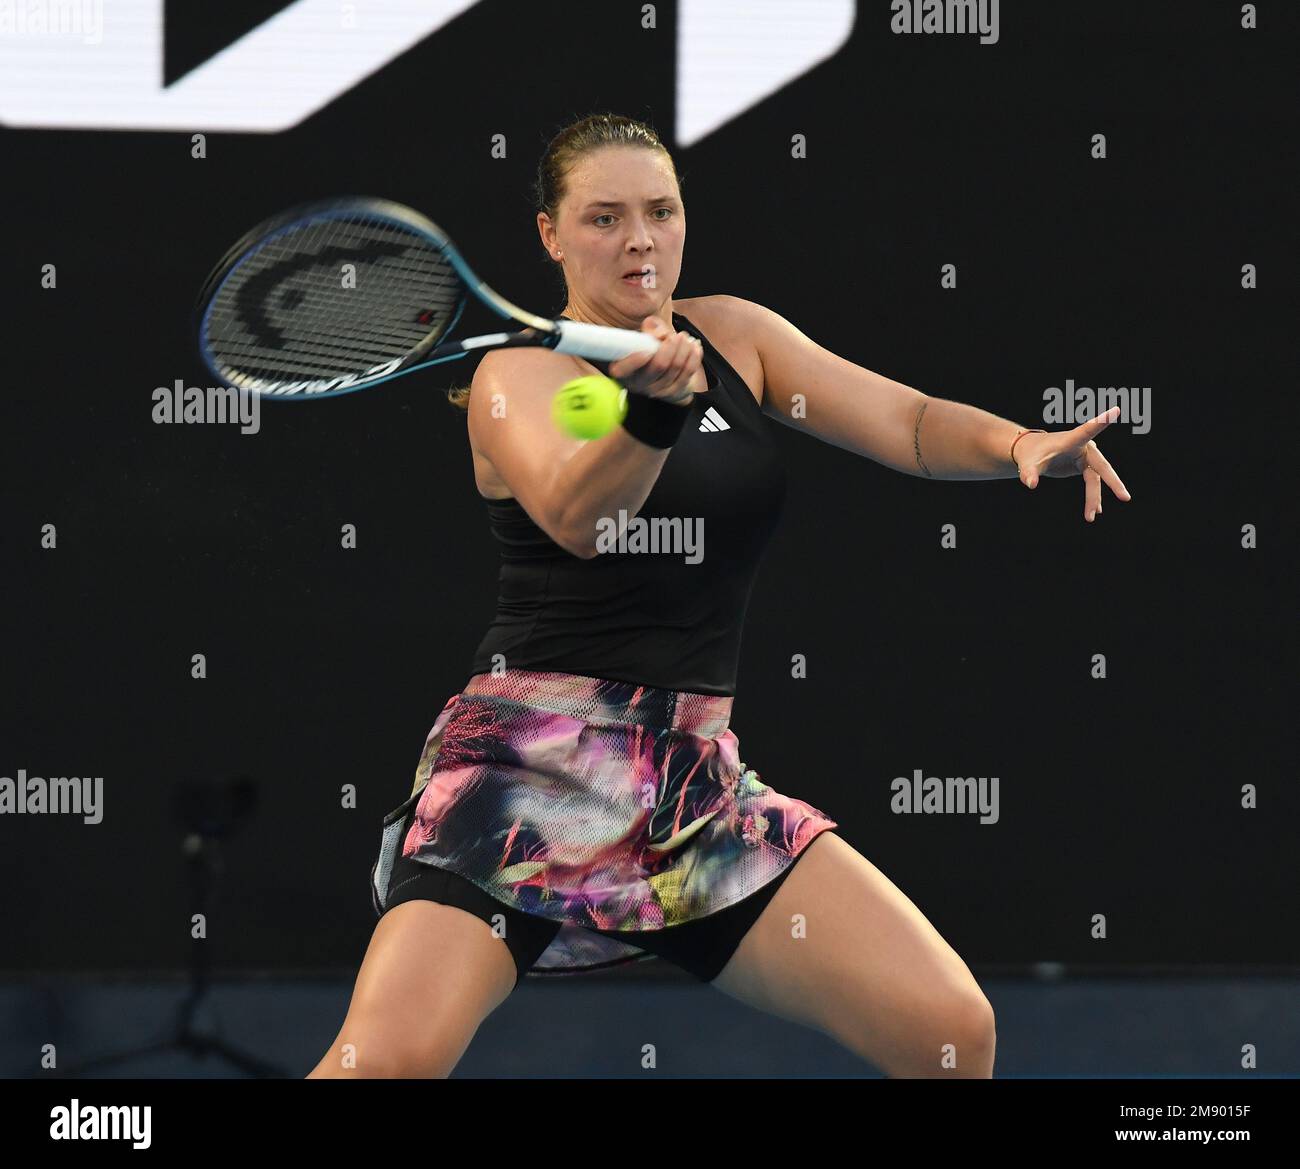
842 949
431 974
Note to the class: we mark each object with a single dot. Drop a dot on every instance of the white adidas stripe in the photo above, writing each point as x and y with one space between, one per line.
713 421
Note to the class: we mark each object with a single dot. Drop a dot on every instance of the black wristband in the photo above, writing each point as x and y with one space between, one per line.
653 421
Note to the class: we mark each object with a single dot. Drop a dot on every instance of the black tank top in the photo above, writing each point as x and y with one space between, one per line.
665 605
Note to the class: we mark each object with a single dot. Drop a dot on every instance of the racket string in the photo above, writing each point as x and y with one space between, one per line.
288 311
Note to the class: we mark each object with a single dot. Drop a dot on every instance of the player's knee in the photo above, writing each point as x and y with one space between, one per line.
952 1034
968 1034
375 1050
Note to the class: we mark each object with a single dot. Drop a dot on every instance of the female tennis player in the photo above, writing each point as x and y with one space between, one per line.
582 802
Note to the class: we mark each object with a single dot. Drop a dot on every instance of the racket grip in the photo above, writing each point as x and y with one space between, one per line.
600 341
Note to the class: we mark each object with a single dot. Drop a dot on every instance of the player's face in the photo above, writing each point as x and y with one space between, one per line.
621 229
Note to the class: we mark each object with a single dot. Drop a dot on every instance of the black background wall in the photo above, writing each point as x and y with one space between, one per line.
1120 796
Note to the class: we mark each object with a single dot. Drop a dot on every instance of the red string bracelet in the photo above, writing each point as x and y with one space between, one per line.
1019 435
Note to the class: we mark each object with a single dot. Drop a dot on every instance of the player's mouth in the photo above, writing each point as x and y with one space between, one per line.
636 277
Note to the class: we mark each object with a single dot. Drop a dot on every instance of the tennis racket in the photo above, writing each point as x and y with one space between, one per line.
337 296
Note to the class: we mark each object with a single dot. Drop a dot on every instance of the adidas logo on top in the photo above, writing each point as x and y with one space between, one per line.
714 421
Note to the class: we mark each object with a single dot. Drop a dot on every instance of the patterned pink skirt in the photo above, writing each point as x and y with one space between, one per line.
596 804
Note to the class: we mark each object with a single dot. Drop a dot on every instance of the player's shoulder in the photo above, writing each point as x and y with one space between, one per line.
504 367
722 311
494 360
734 325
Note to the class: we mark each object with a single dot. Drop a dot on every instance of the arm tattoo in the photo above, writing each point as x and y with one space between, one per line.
916 440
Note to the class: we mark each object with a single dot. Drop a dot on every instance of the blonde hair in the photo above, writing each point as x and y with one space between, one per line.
562 154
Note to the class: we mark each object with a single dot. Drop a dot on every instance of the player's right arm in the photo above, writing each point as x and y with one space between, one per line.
567 484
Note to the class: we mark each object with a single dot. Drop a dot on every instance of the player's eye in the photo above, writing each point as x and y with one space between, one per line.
608 215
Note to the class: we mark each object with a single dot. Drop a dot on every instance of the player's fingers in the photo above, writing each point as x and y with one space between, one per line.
663 372
694 359
625 367
1108 475
685 355
669 354
684 363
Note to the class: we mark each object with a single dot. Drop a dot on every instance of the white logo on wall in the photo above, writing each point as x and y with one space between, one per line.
730 56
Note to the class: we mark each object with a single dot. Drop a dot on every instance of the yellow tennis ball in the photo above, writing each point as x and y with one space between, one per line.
589 407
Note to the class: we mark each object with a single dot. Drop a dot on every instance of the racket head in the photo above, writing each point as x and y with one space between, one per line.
330 297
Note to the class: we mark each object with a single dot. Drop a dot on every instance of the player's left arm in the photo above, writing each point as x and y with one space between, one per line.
811 389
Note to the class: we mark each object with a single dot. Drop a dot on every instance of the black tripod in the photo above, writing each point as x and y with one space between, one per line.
210 812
